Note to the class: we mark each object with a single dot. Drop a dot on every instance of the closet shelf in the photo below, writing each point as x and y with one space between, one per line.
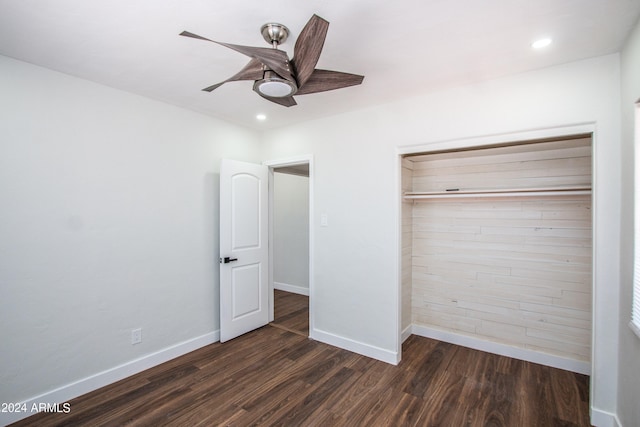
502 192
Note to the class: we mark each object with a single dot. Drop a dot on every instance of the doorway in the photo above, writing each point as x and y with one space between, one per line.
290 278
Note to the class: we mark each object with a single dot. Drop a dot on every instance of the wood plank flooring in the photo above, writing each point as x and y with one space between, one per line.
291 312
275 377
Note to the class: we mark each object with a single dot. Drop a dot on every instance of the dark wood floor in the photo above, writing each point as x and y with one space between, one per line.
273 376
291 312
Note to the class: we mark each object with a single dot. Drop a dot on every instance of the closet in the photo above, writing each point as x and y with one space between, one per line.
497 248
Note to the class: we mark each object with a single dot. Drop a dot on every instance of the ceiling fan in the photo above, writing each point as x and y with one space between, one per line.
276 78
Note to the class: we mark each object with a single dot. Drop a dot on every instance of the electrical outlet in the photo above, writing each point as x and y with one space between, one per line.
136 336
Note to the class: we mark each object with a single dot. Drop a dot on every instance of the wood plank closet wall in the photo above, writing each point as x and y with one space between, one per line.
512 268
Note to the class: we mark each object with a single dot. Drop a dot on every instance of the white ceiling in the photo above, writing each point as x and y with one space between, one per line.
403 47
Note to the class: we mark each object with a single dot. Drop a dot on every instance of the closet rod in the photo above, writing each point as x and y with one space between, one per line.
511 192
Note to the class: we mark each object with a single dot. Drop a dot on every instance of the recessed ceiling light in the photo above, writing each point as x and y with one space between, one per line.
261 117
539 44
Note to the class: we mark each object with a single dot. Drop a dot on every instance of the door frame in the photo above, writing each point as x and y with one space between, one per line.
278 163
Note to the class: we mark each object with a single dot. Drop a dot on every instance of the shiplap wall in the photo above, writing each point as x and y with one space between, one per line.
407 243
515 271
545 164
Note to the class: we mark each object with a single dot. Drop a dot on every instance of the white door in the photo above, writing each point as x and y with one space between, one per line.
244 249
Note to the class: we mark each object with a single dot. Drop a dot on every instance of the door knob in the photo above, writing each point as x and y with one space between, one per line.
227 260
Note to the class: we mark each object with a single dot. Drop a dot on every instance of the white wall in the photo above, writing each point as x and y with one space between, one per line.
291 233
108 222
629 349
356 288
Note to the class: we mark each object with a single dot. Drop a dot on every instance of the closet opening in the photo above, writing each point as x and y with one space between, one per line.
497 249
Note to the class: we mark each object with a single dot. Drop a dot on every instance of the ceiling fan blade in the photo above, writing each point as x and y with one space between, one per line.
276 60
194 36
324 80
286 101
252 71
308 48
213 87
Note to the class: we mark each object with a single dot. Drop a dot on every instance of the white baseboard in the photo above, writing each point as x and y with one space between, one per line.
101 379
368 350
601 418
406 333
295 289
504 350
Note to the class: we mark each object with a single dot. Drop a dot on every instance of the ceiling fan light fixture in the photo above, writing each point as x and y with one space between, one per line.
274 87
